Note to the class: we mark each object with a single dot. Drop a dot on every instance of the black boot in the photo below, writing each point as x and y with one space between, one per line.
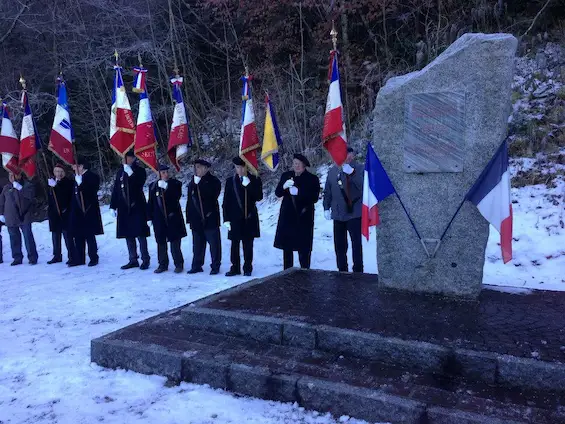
144 266
233 272
16 263
179 269
195 271
130 265
160 269
55 261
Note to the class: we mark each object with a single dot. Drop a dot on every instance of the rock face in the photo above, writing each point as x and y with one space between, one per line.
434 132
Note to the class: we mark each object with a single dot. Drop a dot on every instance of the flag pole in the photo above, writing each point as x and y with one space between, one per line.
449 225
413 225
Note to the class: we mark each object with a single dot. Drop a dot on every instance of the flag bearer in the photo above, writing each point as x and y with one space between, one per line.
59 208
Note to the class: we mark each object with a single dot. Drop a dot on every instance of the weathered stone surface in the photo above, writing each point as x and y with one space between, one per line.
299 334
261 383
479 366
451 416
211 371
482 67
522 372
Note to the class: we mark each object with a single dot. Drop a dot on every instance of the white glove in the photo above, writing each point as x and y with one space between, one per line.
328 214
347 168
78 179
288 184
293 190
197 179
128 170
17 185
51 182
227 225
114 213
2 219
245 181
163 184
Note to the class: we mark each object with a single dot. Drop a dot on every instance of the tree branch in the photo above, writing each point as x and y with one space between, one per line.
536 17
13 24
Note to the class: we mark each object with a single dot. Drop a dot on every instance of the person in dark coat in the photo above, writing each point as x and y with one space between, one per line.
300 191
241 194
163 209
85 221
343 199
59 208
203 215
3 182
16 208
129 204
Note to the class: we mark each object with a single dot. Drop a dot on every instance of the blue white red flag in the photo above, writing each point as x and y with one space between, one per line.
179 138
334 133
140 82
62 135
145 141
122 126
376 187
29 140
9 143
491 195
248 140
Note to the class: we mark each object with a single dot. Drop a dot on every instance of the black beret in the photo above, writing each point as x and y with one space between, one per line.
202 162
164 167
302 159
238 161
83 162
130 153
350 150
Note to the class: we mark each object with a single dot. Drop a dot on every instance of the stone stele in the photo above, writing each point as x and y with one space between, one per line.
434 132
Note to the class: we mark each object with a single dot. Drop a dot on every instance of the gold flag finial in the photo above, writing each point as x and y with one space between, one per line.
333 34
139 59
116 55
246 72
22 81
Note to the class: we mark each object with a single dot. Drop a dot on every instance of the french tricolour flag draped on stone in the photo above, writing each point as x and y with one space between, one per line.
62 135
376 187
145 140
179 137
491 195
122 126
9 144
249 140
334 134
29 140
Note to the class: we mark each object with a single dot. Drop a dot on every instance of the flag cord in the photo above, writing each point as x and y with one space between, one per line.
448 226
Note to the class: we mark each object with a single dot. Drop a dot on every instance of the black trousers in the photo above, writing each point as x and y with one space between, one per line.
132 249
341 228
16 242
163 255
199 240
69 244
80 243
247 255
304 257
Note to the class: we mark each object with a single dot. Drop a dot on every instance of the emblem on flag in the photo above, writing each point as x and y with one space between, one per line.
122 126
9 144
62 135
179 138
145 140
271 137
248 140
29 138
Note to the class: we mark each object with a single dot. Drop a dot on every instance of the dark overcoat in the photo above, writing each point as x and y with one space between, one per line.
237 201
88 222
129 201
203 198
295 229
168 222
59 211
17 205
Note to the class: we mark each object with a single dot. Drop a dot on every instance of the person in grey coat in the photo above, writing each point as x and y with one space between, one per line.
343 198
16 201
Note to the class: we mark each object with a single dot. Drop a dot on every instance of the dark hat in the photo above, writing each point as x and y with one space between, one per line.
302 159
202 162
238 161
164 167
83 162
350 150
59 165
130 153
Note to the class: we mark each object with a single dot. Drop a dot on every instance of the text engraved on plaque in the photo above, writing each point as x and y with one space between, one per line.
434 132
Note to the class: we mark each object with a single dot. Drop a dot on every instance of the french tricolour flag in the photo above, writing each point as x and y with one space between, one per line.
179 137
9 144
491 195
122 125
249 140
334 134
376 187
145 140
29 140
62 136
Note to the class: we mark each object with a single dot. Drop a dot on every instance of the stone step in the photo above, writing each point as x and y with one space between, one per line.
412 355
320 380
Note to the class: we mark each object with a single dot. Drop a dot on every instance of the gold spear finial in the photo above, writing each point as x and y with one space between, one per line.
116 55
333 34
246 72
22 81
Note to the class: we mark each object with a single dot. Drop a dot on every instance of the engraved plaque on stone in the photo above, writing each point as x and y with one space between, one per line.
434 132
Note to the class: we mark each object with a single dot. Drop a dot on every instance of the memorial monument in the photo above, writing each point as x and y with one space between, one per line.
434 132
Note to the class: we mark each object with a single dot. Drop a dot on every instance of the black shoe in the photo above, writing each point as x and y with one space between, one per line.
195 271
68 262
160 269
231 273
130 265
16 263
93 262
144 266
1 261
55 261
34 262
71 264
179 269
214 272
247 274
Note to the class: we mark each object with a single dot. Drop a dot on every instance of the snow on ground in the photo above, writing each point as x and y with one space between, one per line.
49 314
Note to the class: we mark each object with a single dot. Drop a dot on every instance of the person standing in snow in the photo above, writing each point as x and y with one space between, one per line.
300 191
203 215
128 204
85 221
241 193
59 207
164 210
343 198
16 204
